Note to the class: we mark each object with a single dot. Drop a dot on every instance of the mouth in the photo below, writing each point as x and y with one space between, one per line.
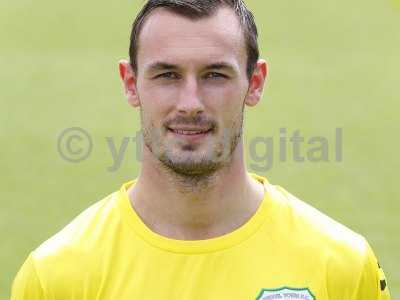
190 133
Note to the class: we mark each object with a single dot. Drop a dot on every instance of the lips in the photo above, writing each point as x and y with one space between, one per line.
190 131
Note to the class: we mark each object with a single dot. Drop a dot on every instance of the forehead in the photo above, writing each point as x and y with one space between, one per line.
166 36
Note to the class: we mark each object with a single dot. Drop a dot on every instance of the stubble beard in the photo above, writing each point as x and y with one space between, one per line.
188 164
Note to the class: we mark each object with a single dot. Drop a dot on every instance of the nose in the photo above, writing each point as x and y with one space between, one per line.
190 102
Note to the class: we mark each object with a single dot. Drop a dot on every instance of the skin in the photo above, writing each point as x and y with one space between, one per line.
193 187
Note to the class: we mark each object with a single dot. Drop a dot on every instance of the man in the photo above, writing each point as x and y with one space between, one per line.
195 224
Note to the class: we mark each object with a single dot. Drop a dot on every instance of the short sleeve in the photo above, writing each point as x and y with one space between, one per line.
372 284
26 285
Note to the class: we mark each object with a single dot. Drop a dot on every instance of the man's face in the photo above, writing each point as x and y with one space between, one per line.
191 85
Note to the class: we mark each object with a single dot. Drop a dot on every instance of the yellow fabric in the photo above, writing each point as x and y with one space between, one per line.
287 247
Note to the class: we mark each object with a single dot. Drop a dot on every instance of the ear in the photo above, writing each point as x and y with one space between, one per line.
257 82
128 78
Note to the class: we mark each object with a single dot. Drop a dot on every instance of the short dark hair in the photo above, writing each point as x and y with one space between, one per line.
197 9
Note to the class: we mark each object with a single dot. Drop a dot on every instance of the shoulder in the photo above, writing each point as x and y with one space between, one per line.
74 251
61 263
83 230
342 255
312 226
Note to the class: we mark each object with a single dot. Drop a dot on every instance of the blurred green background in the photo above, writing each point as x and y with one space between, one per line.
332 65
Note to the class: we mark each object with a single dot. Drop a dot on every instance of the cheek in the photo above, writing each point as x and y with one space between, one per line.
156 103
230 93
226 102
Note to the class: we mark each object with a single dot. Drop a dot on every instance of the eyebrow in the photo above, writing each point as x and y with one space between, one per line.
159 66
221 66
162 66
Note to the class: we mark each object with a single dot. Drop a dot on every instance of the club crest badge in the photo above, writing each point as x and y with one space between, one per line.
286 293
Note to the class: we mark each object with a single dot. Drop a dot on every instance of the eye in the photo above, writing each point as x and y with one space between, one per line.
214 75
168 75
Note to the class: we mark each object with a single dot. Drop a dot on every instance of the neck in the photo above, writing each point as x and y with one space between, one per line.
190 209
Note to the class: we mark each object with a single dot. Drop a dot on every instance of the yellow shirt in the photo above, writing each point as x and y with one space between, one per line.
287 250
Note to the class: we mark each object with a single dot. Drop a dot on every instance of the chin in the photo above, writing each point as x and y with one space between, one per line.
187 164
